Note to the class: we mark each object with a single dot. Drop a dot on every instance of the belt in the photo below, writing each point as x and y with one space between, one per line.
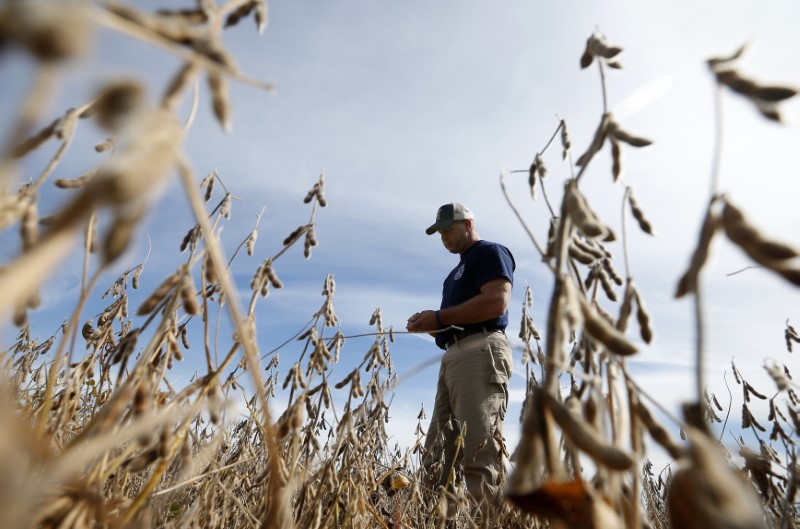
460 335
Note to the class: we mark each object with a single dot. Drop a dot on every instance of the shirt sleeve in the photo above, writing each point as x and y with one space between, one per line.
495 261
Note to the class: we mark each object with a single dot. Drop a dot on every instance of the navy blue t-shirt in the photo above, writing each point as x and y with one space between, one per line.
481 263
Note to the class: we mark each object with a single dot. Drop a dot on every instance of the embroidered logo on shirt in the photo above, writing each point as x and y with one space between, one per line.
459 272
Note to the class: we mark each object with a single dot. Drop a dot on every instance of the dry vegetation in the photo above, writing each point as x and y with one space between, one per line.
95 434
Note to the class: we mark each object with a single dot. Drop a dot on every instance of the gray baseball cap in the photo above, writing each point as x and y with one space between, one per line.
448 214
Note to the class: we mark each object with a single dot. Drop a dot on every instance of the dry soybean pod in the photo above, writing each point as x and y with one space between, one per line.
658 432
688 282
602 331
585 438
580 213
159 294
638 214
643 317
220 99
750 239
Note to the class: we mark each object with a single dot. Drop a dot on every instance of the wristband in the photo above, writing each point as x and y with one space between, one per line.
438 319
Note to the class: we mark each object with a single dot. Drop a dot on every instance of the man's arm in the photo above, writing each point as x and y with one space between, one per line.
492 302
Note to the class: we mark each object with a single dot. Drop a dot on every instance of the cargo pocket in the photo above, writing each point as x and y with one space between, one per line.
499 371
499 363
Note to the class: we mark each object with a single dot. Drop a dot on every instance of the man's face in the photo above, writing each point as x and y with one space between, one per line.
455 237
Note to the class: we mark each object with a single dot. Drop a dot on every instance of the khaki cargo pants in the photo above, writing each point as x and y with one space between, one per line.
472 389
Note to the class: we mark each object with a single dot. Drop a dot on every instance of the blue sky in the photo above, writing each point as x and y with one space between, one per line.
410 105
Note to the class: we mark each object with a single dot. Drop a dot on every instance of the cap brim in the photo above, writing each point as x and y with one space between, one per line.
441 225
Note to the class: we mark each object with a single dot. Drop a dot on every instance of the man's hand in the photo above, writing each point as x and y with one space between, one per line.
424 321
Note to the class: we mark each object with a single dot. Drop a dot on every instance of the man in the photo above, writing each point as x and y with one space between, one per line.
474 372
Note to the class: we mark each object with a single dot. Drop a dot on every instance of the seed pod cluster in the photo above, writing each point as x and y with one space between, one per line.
225 206
532 177
376 318
137 272
537 170
208 184
566 141
592 247
265 275
709 403
764 97
320 356
124 348
718 63
749 420
257 7
605 282
250 243
179 29
610 269
310 242
173 349
527 328
577 252
779 376
767 252
330 286
598 46
318 192
295 378
331 319
527 331
583 216
190 239
791 335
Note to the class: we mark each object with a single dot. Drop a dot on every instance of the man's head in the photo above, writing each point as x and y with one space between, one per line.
448 214
454 222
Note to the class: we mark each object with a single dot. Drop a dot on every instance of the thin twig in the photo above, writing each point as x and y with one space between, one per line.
117 23
716 160
521 220
626 259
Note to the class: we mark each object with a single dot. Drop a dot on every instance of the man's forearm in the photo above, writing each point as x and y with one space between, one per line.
484 306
